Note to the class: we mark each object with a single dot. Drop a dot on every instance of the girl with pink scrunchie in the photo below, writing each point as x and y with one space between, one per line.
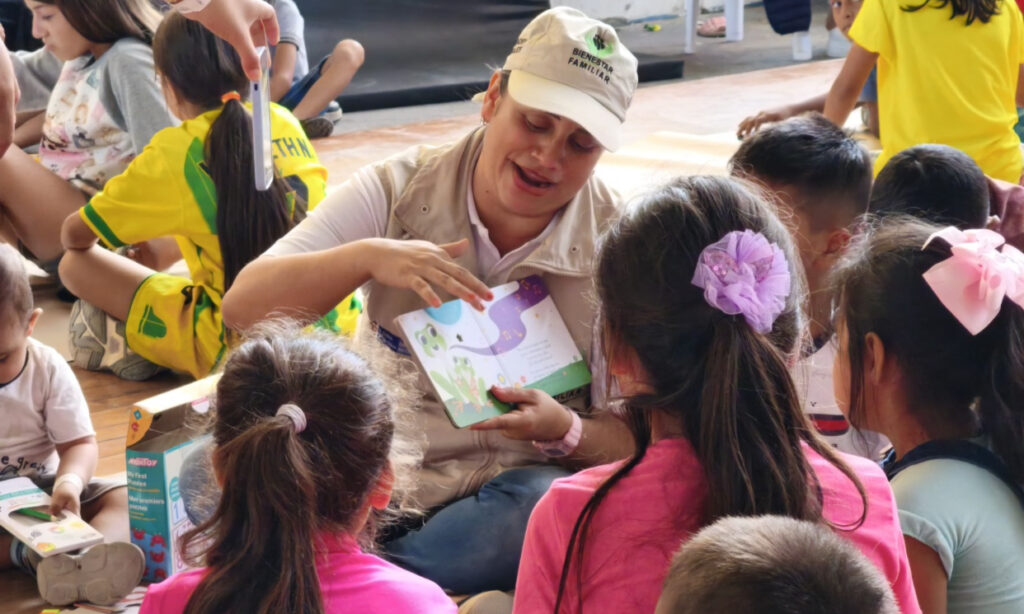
701 297
931 354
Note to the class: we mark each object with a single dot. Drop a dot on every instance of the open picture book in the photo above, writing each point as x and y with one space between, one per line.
519 340
24 513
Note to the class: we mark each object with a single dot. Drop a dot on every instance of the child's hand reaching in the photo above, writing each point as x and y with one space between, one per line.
67 491
536 417
751 124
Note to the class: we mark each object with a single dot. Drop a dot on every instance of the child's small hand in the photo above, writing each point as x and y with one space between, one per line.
537 416
65 497
750 125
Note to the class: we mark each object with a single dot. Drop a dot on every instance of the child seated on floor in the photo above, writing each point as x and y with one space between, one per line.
820 179
931 343
47 436
699 347
772 565
309 94
843 12
945 186
194 182
305 453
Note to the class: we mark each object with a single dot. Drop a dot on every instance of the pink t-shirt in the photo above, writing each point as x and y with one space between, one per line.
649 513
350 581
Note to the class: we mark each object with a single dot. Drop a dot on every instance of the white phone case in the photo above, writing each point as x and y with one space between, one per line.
263 157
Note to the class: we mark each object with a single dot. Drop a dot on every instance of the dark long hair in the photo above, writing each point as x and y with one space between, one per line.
953 381
108 21
972 10
727 385
282 488
201 68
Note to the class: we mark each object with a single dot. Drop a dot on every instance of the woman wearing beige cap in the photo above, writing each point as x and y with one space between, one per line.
515 197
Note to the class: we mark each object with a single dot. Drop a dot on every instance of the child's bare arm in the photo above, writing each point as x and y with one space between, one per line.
77 462
282 70
30 131
842 98
76 234
750 125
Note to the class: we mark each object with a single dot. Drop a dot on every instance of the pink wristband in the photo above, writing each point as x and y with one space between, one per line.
565 446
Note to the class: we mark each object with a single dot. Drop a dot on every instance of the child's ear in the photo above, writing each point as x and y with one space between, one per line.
491 97
32 319
838 241
381 495
993 222
874 359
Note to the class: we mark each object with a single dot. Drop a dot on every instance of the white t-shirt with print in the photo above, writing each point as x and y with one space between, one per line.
41 407
813 379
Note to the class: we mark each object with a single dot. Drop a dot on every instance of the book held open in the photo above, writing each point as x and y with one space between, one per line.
519 340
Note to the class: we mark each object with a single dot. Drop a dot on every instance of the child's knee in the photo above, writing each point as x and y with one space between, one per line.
349 53
113 501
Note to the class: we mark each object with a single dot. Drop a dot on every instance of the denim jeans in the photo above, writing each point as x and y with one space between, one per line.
473 544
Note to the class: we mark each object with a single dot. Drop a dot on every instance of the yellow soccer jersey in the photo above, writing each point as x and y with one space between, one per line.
942 81
166 191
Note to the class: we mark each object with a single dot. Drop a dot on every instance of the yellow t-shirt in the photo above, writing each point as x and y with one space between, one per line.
167 191
942 81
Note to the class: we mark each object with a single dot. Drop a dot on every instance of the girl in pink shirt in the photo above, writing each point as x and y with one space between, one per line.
303 437
699 347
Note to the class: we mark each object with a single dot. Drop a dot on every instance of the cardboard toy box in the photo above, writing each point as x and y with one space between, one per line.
162 431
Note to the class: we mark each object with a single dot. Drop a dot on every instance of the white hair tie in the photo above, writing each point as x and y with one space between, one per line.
295 413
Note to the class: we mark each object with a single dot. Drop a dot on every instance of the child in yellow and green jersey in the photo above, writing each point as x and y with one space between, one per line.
194 182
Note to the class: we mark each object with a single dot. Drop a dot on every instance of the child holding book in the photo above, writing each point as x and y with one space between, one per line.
699 346
47 436
207 200
931 340
304 452
948 73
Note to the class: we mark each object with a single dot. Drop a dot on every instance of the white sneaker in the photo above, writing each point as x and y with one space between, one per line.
102 574
838 44
802 48
98 343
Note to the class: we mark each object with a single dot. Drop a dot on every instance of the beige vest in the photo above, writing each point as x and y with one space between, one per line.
432 207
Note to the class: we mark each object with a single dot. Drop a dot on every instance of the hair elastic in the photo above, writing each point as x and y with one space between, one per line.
295 413
231 96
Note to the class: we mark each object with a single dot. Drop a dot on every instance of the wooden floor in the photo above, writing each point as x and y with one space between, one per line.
679 128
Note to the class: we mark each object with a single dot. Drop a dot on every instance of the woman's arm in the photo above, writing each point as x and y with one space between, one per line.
929 577
842 98
309 285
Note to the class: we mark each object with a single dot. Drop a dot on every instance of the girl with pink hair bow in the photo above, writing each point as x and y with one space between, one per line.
931 333
700 301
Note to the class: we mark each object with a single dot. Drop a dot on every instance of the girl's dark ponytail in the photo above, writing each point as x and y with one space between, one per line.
726 384
262 559
1001 404
202 68
248 220
972 10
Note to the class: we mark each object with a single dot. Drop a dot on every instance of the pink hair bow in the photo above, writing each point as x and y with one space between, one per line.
973 281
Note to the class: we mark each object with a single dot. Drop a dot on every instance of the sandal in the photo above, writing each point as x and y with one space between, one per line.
712 28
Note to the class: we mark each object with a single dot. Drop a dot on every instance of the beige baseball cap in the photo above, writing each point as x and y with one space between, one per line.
571 65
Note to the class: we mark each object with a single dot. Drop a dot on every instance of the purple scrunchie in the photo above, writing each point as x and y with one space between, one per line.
745 273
